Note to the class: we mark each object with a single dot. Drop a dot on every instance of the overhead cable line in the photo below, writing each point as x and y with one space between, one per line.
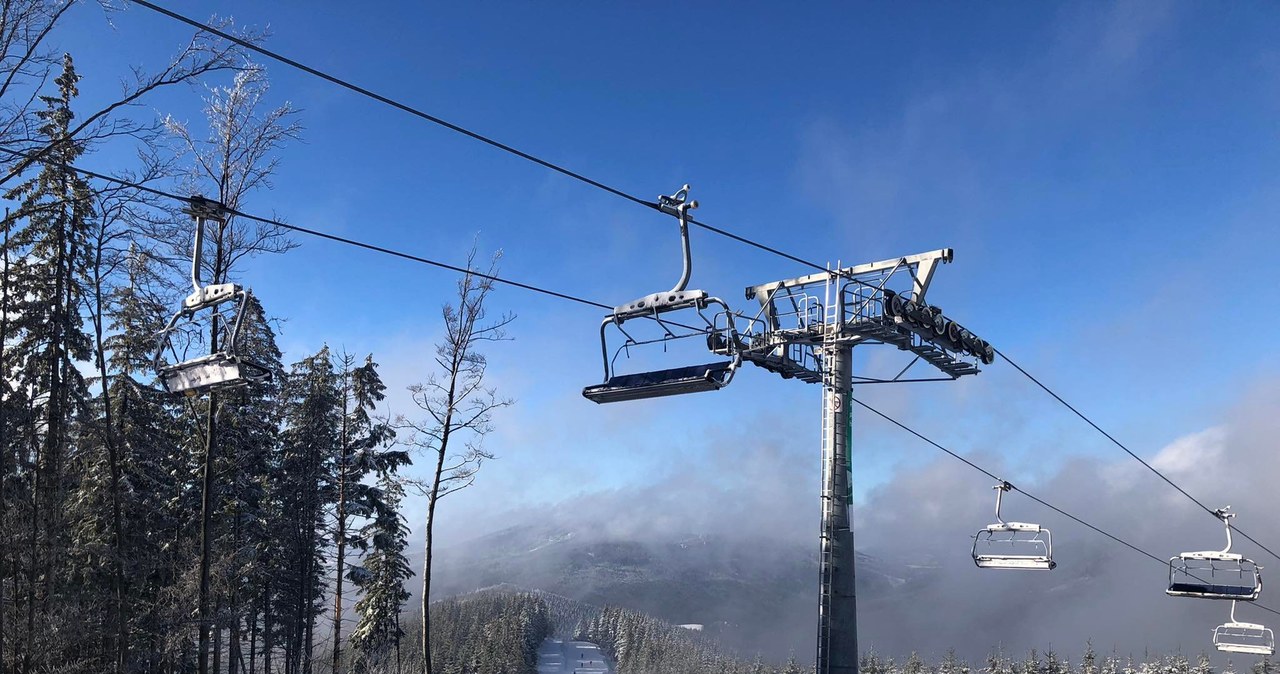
344 240
415 258
1033 497
417 112
1122 446
312 232
388 101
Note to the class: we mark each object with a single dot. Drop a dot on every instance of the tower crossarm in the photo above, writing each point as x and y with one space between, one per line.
874 303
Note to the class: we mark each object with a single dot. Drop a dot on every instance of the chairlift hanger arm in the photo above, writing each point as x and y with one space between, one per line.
679 205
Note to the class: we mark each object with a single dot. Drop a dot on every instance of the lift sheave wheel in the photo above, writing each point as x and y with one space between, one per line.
1215 574
1013 545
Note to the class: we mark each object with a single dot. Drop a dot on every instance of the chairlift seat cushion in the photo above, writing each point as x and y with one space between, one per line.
1213 591
675 381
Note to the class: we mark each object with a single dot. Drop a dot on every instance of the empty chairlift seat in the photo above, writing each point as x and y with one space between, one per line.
708 318
1215 574
225 368
209 373
1234 637
1239 637
1013 545
675 381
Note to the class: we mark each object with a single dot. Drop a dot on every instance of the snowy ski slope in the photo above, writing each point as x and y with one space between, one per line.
557 656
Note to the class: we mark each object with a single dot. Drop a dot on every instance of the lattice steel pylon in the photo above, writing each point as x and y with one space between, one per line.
801 334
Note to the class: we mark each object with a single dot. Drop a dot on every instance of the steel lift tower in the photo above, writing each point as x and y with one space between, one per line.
805 329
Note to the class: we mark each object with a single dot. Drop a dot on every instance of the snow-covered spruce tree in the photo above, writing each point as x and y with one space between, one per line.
360 454
459 411
246 514
48 257
304 484
149 444
381 578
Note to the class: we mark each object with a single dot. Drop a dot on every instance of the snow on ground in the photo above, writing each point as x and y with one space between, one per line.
557 656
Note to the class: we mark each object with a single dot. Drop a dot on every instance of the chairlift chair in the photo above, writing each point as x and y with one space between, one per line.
721 336
1215 574
225 368
1238 637
1013 545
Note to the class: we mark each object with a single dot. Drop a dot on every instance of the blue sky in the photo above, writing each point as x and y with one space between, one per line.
1106 173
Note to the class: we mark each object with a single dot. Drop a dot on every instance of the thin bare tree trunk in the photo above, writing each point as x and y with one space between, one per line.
342 528
217 638
34 543
113 462
268 641
253 640
4 447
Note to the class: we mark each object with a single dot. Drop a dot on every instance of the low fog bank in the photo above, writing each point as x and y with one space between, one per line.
919 590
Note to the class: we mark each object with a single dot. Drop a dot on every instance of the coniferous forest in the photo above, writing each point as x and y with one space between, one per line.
103 473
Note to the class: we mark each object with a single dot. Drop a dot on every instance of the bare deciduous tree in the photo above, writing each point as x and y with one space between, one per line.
459 410
27 61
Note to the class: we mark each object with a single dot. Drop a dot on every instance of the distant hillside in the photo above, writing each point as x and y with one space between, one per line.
754 596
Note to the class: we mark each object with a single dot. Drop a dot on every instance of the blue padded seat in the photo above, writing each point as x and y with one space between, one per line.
675 381
1210 589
